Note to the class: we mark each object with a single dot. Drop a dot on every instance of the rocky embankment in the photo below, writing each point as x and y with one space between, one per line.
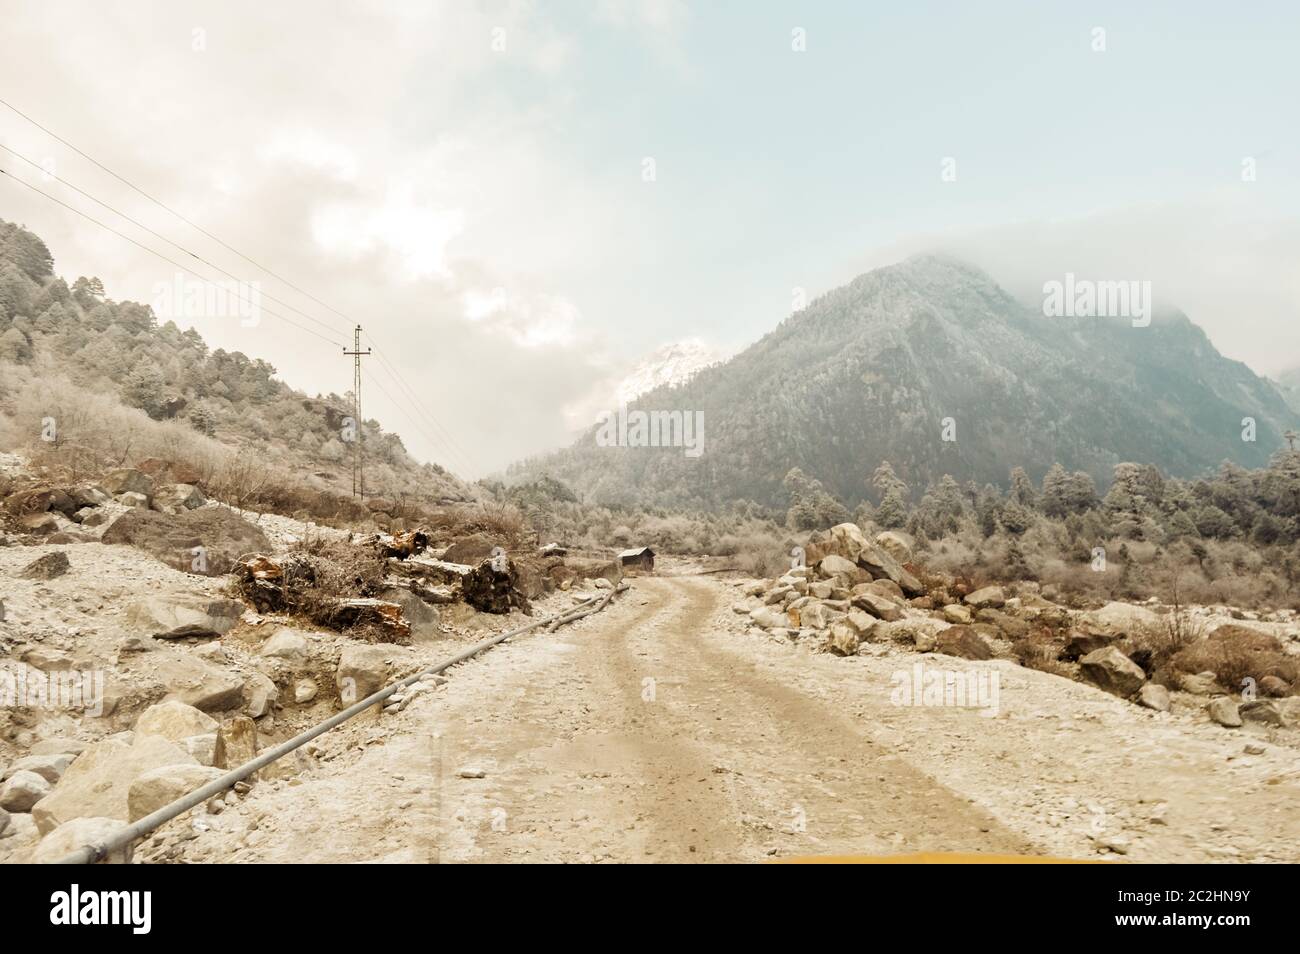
846 592
134 667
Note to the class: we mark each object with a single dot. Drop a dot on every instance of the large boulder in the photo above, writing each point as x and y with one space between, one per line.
964 642
236 743
897 544
76 834
361 671
844 639
194 681
769 618
1110 669
97 783
1153 696
177 616
207 541
1124 619
878 606
848 540
175 721
287 644
48 767
128 481
1225 712
179 497
833 565
47 567
22 790
987 597
162 786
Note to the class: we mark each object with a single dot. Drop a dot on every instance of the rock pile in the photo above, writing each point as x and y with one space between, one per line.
848 592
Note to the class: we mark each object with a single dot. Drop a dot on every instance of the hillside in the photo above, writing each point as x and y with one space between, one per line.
104 371
869 371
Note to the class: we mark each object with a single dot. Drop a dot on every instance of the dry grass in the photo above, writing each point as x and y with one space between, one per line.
96 433
1235 654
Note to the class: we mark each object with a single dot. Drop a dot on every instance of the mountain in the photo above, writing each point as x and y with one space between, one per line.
672 365
870 371
1288 382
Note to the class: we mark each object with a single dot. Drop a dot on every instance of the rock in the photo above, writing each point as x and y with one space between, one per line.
174 720
97 782
90 496
988 596
863 623
222 535
201 748
769 618
1124 619
4 821
287 644
59 746
22 790
47 567
814 616
1153 696
1200 684
96 518
260 694
1264 712
1081 644
38 523
844 639
179 616
133 500
181 497
48 767
236 743
778 594
1109 669
471 771
1270 685
878 606
198 683
362 670
76 834
963 642
897 544
1007 624
162 786
957 614
128 481
1225 712
833 565
304 691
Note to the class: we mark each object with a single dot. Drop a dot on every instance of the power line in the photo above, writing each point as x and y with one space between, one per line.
159 202
449 441
159 235
446 437
158 254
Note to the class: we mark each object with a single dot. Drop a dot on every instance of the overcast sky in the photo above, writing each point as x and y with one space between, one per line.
470 181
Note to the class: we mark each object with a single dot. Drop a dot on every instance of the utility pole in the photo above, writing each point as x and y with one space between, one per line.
358 453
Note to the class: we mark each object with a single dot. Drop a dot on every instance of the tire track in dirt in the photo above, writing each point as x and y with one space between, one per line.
803 772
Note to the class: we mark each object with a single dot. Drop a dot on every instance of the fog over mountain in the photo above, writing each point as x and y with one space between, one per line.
930 364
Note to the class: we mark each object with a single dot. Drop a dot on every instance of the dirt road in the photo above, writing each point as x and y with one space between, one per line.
636 735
